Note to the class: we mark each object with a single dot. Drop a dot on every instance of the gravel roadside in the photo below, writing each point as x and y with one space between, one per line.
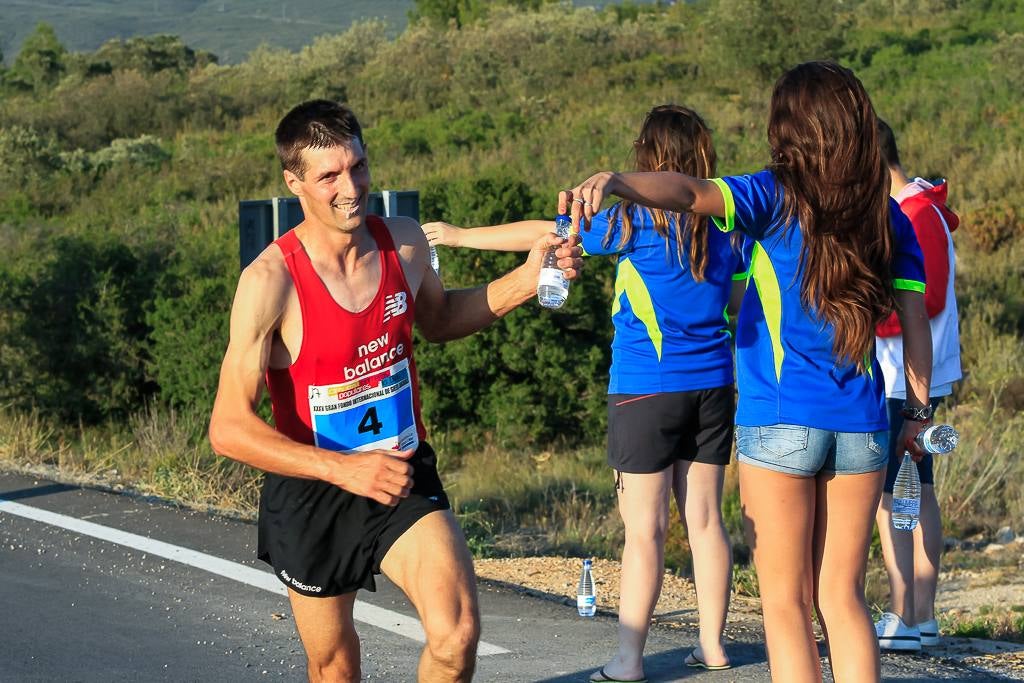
554 578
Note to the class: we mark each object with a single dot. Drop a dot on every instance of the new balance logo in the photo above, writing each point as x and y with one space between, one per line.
395 305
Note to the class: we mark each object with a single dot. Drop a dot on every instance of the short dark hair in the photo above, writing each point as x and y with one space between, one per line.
887 143
315 124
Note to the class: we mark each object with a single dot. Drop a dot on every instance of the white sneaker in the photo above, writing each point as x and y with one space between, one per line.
929 632
893 634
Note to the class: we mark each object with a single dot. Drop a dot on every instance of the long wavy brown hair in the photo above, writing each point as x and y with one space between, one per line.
673 138
825 154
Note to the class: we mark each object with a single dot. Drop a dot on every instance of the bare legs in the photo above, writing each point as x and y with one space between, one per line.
912 559
927 549
644 507
809 537
778 516
843 522
432 564
698 491
328 636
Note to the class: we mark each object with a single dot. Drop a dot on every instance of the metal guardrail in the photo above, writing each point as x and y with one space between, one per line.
261 221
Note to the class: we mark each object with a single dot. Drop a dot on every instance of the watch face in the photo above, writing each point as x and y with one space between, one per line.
919 414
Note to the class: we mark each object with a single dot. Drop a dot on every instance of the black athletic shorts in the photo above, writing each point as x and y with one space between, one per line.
648 433
323 541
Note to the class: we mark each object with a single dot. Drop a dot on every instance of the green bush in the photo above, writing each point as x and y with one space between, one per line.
75 347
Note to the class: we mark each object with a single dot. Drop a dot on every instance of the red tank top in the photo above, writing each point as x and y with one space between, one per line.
353 386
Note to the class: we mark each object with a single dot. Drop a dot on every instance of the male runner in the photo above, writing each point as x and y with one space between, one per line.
324 317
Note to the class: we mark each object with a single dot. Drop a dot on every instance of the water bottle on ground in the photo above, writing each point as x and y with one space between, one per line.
906 496
938 439
586 598
906 491
434 263
552 287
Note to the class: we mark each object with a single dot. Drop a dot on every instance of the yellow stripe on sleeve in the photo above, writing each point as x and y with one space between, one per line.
730 207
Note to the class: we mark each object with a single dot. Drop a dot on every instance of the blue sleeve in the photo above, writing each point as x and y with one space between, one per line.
908 262
605 227
752 203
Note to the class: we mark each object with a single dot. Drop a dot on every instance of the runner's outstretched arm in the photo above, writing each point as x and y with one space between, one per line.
237 432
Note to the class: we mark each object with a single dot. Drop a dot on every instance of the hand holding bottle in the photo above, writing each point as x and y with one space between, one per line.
553 286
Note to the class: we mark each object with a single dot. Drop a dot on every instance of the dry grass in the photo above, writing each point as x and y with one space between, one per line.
158 452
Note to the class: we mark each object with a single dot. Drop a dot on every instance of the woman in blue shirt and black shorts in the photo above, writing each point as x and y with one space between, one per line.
671 393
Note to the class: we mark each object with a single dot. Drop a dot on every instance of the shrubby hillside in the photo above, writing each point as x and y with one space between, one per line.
121 170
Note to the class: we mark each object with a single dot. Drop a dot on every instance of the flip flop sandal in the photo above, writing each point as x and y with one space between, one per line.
695 662
603 677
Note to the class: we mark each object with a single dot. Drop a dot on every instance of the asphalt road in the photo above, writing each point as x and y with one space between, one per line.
138 590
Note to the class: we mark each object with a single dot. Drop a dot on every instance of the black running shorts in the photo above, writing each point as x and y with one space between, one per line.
648 433
323 541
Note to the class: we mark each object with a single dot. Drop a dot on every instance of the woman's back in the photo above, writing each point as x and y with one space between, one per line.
671 330
785 350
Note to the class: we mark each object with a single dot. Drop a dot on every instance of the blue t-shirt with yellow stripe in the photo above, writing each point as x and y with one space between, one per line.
786 370
671 332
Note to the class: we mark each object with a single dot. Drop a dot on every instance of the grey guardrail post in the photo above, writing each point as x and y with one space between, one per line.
261 221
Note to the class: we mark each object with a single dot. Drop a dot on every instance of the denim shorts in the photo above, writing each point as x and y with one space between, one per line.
806 451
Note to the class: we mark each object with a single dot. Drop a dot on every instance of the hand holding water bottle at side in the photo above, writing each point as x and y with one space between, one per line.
906 492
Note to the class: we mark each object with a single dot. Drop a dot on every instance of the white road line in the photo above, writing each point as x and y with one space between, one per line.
364 612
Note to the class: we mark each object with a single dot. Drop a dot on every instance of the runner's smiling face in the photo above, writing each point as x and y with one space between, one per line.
336 185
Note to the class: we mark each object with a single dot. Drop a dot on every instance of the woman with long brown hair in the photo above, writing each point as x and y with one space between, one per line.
670 394
832 257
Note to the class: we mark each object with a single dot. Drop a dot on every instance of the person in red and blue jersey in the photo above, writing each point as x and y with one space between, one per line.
833 256
670 390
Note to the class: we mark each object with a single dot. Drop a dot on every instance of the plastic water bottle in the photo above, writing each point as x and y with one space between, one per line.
552 287
434 263
586 598
938 439
906 491
906 496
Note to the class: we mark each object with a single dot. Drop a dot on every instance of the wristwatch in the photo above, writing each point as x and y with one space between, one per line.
917 414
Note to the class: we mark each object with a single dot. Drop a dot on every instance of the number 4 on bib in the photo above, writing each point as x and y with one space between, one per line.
370 423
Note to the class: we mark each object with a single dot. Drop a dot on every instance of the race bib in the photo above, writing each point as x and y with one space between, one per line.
374 411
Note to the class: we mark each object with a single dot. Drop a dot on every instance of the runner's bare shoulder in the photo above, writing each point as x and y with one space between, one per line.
266 284
412 247
406 232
